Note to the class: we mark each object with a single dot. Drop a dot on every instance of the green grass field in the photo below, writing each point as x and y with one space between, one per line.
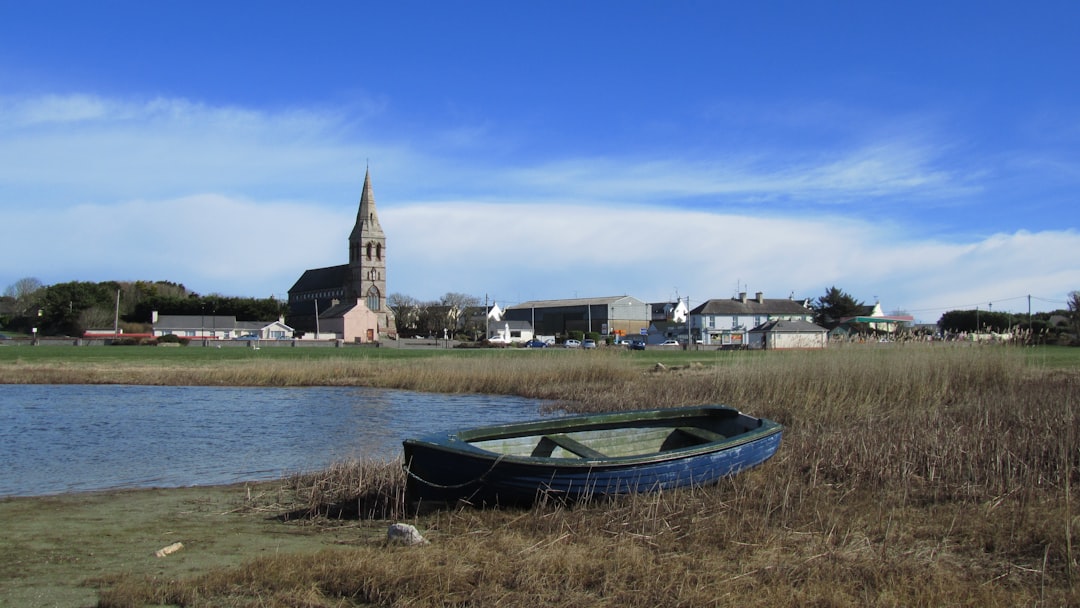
1044 356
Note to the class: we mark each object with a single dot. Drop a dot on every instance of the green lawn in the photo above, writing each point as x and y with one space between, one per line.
1042 356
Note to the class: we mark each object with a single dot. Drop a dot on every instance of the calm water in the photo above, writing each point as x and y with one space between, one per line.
72 438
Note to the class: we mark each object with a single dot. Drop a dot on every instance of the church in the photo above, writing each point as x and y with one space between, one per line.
348 302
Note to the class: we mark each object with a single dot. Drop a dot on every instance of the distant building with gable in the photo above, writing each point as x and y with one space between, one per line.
728 322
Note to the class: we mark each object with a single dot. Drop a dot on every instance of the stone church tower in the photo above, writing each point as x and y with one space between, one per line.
349 299
366 280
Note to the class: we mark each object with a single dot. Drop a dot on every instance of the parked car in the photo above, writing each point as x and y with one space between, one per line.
572 344
536 344
637 345
670 343
588 344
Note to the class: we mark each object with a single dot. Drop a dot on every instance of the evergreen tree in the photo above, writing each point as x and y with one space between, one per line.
835 305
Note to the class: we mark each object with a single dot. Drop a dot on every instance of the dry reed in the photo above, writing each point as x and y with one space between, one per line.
908 476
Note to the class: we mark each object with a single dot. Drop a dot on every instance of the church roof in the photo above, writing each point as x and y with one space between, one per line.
331 277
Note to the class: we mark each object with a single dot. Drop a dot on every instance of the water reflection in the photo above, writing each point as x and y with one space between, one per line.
64 438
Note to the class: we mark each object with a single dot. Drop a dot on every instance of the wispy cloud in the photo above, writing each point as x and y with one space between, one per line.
241 201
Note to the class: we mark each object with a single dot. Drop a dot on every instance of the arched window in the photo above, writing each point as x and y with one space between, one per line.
373 299
378 251
369 251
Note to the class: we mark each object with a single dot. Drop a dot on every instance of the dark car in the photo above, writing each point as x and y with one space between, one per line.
536 344
637 345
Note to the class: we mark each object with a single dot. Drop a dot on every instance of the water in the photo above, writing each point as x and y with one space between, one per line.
73 438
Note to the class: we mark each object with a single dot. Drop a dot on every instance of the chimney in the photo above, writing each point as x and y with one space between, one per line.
760 297
742 297
153 316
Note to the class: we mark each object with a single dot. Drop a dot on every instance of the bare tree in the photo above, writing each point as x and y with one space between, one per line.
24 293
406 311
456 304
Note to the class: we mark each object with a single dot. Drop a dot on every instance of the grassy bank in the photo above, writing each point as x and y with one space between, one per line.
917 475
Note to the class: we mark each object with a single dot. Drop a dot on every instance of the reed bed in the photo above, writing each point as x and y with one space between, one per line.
908 476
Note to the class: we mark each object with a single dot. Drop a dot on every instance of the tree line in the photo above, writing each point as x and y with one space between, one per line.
72 308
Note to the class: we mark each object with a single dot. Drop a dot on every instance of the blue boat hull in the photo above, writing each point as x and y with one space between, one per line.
444 468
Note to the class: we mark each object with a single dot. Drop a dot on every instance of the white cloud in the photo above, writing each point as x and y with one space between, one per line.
522 252
241 201
209 242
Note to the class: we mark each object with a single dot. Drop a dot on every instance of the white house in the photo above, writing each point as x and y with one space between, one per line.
509 332
674 312
728 322
218 327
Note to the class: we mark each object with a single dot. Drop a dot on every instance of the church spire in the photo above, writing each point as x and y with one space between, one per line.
366 282
367 219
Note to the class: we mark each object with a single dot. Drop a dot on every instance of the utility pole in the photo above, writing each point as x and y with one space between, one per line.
116 316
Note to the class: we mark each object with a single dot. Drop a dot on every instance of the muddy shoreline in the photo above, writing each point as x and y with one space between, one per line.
59 549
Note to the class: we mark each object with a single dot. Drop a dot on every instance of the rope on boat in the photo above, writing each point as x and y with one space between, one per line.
457 486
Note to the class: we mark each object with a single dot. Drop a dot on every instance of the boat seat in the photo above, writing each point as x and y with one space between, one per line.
705 435
549 442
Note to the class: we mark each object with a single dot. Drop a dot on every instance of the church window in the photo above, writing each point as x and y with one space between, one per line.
378 251
373 299
369 251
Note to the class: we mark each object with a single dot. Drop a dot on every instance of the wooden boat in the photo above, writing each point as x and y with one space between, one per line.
580 457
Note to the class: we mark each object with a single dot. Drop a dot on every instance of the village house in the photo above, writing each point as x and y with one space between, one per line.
727 323
218 327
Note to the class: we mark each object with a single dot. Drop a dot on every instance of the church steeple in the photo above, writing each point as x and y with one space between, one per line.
366 217
367 258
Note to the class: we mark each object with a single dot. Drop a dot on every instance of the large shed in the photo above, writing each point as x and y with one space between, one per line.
788 335
620 315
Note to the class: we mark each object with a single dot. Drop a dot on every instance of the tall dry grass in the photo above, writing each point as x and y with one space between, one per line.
908 476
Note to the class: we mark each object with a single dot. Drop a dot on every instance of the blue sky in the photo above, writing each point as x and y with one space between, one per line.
918 154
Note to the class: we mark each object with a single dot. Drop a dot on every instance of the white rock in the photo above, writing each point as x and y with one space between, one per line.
404 534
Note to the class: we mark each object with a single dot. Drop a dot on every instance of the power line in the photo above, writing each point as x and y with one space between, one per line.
1061 303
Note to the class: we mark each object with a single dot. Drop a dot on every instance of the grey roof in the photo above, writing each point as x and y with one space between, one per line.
331 277
338 310
777 306
575 302
222 322
256 325
658 307
195 321
796 326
